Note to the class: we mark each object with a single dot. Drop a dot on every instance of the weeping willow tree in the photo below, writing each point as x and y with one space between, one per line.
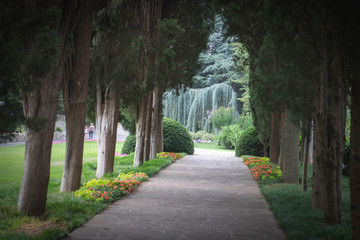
191 106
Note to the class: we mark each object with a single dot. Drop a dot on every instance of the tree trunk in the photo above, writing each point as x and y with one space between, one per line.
40 108
329 134
305 156
40 111
74 95
311 143
156 124
140 131
107 112
149 118
317 193
302 147
275 137
289 149
355 159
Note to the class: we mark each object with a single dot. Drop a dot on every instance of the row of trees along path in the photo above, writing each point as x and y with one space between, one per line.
303 61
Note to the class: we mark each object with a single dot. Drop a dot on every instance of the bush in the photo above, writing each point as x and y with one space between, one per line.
222 117
199 135
208 136
192 135
228 136
249 144
58 129
129 144
176 137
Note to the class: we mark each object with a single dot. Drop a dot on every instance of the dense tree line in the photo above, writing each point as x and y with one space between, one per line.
128 52
302 57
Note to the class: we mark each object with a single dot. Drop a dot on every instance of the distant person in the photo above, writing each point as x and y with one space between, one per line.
85 132
91 131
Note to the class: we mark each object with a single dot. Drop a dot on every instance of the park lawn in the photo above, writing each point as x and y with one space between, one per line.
294 213
12 161
64 212
211 146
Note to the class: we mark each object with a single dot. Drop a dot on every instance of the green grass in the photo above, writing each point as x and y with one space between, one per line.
62 209
211 146
295 216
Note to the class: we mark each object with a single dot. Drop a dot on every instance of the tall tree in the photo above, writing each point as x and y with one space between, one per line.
44 39
216 61
113 54
75 85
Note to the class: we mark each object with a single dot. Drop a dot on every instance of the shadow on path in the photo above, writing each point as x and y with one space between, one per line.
208 195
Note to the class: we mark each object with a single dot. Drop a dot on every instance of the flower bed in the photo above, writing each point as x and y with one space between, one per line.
170 155
99 190
261 168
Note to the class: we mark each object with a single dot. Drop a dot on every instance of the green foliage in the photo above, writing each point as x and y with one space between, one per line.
129 144
249 144
208 137
199 135
127 119
58 129
193 135
229 135
10 111
28 50
216 61
222 117
244 120
191 108
176 137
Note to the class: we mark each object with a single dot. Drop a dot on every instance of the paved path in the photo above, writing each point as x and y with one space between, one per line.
209 195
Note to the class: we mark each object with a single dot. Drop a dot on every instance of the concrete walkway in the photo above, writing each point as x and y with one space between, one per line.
209 195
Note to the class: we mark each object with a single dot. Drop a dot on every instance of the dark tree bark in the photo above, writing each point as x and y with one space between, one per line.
289 148
329 133
275 137
140 118
149 118
107 115
74 94
156 123
306 138
40 106
355 159
40 109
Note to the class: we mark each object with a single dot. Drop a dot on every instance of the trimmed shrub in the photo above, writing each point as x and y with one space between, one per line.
208 136
249 143
199 135
176 137
129 144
